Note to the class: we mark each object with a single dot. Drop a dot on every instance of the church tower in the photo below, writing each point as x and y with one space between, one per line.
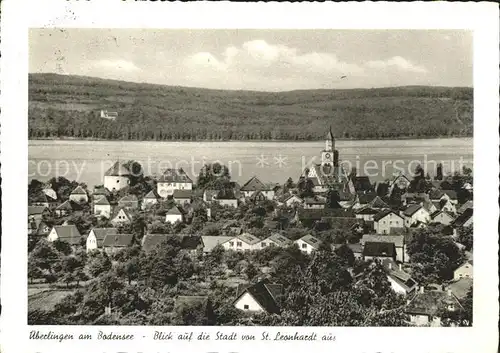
327 155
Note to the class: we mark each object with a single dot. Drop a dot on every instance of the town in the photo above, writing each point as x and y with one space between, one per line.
331 248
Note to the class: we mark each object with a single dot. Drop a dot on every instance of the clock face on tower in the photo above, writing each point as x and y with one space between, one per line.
327 155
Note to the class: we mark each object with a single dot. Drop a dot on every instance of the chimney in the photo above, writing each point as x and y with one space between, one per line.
400 267
390 266
422 289
449 292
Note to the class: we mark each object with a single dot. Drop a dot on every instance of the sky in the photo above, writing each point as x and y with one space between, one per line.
261 60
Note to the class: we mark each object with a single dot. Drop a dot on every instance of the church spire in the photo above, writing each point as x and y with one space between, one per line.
330 141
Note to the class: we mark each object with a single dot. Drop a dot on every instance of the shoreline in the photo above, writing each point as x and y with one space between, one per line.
401 138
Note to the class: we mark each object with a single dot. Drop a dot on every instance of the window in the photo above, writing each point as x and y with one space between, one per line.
390 222
304 246
383 222
117 181
263 244
246 307
231 243
239 243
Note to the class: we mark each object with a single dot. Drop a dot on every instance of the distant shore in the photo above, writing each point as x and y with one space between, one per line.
257 140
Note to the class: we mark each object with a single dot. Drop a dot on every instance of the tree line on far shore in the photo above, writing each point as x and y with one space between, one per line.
70 107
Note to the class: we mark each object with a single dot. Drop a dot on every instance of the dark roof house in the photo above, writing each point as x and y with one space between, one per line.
254 184
379 249
68 234
266 294
117 170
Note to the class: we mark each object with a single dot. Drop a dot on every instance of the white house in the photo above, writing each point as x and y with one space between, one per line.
275 239
262 296
210 242
242 242
117 177
253 185
464 271
66 233
308 243
292 200
50 192
171 180
443 217
79 195
416 213
109 115
385 220
174 215
96 237
149 200
102 207
401 282
121 217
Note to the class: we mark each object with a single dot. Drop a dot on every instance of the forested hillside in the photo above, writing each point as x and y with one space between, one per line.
69 106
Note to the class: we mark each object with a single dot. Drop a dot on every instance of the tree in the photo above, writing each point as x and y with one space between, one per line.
433 256
251 271
214 176
136 172
465 237
332 198
345 253
439 172
98 263
306 187
44 256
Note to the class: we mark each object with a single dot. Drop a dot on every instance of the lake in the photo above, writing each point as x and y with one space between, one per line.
87 161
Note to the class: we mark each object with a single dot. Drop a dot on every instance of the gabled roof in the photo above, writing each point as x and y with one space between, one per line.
254 184
68 233
465 206
117 170
174 211
355 248
66 205
437 213
397 240
102 201
118 210
404 279
431 302
411 210
44 198
379 249
292 196
367 210
266 294
383 214
35 210
435 194
78 191
463 218
364 199
279 239
182 194
248 238
210 242
150 195
129 198
317 214
330 174
171 175
461 287
117 240
309 239
396 177
100 234
377 202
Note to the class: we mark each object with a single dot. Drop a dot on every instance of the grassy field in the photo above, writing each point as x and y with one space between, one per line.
39 299
69 106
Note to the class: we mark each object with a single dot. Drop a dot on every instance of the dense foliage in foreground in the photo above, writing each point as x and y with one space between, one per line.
69 106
